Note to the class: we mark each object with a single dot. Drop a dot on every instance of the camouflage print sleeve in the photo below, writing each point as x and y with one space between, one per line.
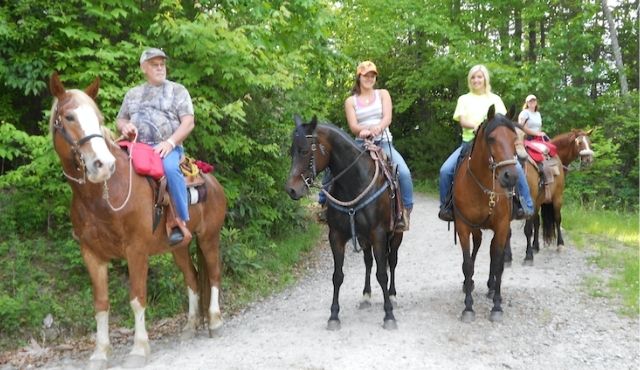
184 106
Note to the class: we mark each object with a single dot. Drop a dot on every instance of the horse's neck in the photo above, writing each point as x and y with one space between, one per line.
358 175
475 166
567 152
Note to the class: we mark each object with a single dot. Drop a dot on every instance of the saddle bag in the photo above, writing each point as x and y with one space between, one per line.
145 161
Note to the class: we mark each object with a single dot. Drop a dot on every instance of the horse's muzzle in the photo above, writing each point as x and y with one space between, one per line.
508 177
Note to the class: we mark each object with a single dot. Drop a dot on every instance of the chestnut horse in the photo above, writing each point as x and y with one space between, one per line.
570 146
365 213
482 199
111 213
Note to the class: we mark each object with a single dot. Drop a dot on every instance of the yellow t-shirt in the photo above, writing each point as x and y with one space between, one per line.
475 107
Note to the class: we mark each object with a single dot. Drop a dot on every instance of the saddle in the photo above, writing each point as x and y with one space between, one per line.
390 171
543 156
149 164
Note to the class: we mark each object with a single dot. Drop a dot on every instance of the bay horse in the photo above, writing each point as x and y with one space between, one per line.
111 214
368 217
482 199
570 145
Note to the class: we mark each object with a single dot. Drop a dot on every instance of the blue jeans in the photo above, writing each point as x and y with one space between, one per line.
404 174
175 182
446 179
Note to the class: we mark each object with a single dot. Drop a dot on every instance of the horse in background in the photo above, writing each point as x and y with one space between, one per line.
100 175
483 189
570 146
365 211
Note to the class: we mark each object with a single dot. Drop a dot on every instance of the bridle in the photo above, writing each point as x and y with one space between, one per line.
75 147
58 127
491 192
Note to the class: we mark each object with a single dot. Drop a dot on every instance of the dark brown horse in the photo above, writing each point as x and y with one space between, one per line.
111 213
360 206
570 146
482 192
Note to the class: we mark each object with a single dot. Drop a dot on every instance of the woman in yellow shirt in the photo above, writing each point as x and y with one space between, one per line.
470 111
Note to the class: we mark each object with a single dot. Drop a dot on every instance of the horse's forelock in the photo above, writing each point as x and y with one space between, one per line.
498 121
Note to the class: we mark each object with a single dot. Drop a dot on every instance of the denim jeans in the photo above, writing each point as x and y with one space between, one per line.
404 174
446 179
175 182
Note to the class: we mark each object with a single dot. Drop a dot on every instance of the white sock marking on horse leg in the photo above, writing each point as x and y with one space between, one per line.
215 317
192 316
103 347
140 338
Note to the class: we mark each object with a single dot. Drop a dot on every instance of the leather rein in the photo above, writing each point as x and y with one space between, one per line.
354 205
491 192
79 161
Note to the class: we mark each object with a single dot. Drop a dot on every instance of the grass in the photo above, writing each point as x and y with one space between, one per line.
615 239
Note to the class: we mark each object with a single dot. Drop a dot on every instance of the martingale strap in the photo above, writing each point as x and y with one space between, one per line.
352 211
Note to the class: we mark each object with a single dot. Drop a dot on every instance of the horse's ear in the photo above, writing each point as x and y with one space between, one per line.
92 90
314 122
511 114
55 85
589 132
297 119
491 113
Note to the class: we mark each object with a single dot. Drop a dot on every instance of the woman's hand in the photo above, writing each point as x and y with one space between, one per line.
163 149
365 133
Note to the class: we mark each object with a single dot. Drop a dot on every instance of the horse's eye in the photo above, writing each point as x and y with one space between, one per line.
69 117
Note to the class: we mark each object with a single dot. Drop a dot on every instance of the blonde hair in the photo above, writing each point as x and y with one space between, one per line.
485 72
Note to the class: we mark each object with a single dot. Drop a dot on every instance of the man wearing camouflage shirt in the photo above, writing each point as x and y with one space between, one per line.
161 113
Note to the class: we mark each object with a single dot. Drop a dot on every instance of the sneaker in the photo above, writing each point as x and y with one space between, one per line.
445 214
176 236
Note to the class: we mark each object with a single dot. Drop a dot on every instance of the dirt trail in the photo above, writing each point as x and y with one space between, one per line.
550 322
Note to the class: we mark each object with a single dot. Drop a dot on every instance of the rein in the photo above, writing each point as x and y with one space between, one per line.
492 193
346 206
81 166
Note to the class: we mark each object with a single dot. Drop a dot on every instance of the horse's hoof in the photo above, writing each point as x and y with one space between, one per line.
134 362
394 301
507 263
468 316
215 322
527 262
560 247
97 365
390 325
496 316
333 325
364 304
490 293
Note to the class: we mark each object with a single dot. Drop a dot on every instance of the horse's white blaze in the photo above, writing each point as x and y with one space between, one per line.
140 338
102 336
193 303
91 126
587 149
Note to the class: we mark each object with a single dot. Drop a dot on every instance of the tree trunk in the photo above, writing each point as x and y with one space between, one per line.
532 42
624 88
517 36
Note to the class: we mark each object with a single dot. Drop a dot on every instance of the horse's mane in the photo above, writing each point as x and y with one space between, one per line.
566 137
82 98
338 131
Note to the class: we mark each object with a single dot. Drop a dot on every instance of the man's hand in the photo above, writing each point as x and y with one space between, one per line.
129 130
163 149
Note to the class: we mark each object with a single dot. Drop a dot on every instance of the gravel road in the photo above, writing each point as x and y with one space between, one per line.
550 322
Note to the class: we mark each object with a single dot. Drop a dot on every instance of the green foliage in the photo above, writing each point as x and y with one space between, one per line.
615 239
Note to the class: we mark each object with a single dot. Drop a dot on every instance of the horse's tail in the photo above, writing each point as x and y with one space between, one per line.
548 222
204 284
